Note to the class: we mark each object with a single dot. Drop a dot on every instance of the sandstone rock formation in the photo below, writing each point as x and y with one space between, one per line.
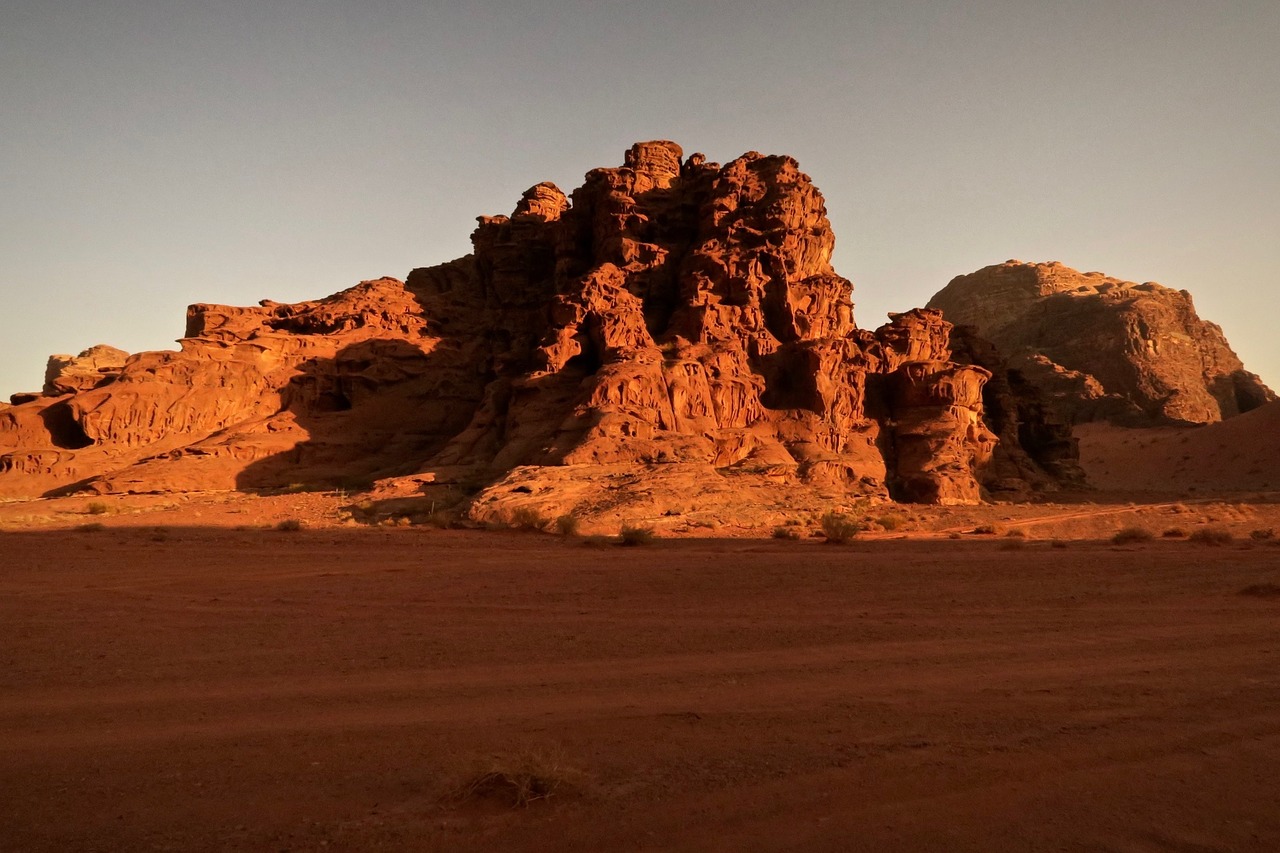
669 336
70 374
1101 348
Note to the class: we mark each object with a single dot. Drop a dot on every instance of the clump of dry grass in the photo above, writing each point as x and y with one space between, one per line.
567 525
1212 536
1174 533
97 508
1265 535
519 781
1016 533
984 530
786 533
289 525
1130 535
632 536
840 528
527 518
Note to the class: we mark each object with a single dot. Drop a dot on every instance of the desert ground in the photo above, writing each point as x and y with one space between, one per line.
180 674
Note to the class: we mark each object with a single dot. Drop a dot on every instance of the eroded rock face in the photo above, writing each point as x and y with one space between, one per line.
71 374
670 321
1101 348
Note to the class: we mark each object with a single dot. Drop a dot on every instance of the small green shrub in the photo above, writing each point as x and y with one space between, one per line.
1212 536
840 528
633 536
1131 534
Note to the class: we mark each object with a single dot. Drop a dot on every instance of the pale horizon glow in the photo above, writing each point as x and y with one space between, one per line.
160 154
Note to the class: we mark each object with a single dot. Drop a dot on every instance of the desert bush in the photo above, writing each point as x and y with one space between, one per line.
1016 533
1262 535
1131 534
1017 543
1174 533
567 525
889 521
985 530
633 536
1212 536
840 528
527 518
97 508
518 781
289 525
786 533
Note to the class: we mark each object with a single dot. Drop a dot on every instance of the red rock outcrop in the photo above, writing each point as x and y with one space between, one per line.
71 374
1101 348
673 326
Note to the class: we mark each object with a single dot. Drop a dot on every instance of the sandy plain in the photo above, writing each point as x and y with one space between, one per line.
180 675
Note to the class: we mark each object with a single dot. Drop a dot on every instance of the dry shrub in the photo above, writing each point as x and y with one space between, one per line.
1212 536
1262 590
289 525
1262 535
1132 534
527 518
840 528
97 508
890 521
1174 533
984 530
633 536
1016 533
519 781
91 527
567 525
785 533
1015 544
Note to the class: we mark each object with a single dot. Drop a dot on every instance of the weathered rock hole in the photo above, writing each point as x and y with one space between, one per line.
64 430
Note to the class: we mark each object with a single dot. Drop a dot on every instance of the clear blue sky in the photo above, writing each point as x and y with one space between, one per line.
157 154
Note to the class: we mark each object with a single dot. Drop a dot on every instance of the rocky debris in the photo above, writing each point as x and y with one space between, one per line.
669 334
1102 348
93 368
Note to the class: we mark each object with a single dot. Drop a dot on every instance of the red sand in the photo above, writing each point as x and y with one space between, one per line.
335 689
1237 455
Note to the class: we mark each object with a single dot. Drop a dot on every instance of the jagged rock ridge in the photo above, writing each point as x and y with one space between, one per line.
670 335
1102 348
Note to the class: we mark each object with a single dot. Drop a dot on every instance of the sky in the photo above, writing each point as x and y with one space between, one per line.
156 154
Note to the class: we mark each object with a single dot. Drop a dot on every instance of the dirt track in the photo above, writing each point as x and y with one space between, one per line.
333 689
